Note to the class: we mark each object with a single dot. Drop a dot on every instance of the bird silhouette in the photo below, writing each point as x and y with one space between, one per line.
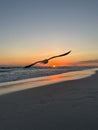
45 61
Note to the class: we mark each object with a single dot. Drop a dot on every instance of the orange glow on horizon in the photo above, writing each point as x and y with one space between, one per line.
27 59
22 61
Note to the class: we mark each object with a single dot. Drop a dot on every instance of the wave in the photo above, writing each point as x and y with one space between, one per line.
13 86
8 74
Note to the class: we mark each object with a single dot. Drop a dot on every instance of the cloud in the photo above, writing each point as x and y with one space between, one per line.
89 61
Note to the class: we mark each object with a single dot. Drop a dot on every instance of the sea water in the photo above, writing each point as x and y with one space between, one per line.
17 78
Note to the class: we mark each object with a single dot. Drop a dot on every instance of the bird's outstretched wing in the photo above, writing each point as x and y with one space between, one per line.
59 55
32 64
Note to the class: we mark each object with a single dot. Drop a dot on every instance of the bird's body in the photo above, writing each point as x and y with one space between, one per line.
45 61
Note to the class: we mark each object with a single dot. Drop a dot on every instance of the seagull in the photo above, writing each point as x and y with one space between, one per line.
45 61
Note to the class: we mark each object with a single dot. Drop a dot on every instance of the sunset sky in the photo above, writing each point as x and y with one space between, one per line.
32 30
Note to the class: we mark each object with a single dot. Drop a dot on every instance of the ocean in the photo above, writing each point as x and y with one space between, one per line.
17 78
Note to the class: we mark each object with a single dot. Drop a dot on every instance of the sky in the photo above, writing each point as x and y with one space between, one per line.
32 30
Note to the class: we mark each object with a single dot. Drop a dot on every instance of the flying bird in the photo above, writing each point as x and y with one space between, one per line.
45 61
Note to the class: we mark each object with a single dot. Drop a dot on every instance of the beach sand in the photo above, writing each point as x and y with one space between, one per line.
70 105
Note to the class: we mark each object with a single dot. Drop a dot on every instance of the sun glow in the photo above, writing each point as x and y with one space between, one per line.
54 66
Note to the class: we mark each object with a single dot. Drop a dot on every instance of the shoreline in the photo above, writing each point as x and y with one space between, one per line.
65 105
10 87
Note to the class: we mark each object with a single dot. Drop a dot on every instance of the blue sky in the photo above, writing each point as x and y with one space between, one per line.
34 29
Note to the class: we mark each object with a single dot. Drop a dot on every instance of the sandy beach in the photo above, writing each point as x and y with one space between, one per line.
70 105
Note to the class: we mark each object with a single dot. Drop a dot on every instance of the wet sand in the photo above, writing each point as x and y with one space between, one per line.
70 105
